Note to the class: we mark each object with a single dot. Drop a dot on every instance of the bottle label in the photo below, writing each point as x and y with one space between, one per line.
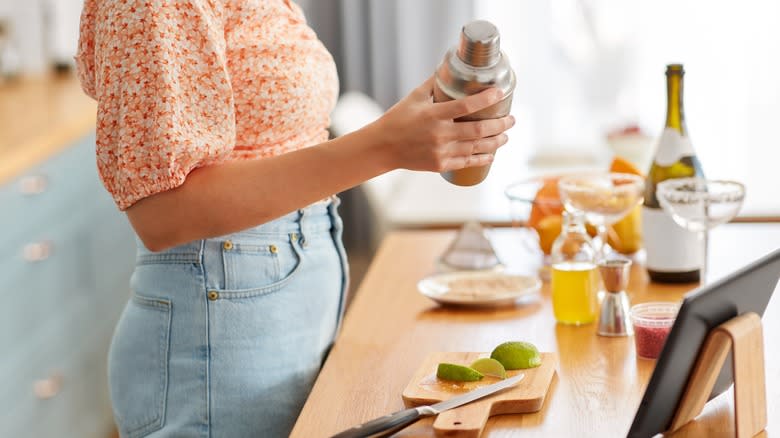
672 147
669 247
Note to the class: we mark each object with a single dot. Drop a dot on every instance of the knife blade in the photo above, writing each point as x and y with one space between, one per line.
398 420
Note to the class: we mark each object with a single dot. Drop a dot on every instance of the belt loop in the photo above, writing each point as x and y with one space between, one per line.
333 209
202 252
332 206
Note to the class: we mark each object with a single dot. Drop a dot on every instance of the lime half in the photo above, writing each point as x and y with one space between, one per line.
459 373
489 367
517 355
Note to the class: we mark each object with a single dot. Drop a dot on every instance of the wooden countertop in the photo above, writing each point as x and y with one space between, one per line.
39 117
390 328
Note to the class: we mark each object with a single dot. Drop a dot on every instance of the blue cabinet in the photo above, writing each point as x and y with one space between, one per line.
66 255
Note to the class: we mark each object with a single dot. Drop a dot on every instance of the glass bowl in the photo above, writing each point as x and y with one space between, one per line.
652 323
535 203
525 199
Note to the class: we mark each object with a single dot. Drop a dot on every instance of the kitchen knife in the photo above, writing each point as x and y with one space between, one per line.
398 420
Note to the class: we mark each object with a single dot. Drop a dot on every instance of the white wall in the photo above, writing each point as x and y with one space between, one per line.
578 81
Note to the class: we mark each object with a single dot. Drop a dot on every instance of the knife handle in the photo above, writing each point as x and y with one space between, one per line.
387 424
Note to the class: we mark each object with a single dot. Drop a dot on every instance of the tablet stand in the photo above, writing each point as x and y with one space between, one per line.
743 336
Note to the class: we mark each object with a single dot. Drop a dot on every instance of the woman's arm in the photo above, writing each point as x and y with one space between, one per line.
414 134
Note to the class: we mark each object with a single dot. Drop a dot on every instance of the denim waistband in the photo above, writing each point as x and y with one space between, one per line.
315 219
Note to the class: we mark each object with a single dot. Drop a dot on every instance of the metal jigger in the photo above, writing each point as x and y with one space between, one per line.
614 316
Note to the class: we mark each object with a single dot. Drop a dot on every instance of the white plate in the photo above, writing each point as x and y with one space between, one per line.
478 288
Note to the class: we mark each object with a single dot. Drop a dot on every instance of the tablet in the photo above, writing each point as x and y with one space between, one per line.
746 290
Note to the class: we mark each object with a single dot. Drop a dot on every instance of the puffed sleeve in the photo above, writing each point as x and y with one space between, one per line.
158 71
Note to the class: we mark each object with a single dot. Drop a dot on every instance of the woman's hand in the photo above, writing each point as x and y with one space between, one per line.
422 135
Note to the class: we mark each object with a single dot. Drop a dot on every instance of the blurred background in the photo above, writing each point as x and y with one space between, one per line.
590 85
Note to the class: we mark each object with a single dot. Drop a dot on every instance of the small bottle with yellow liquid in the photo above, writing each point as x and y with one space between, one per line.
575 278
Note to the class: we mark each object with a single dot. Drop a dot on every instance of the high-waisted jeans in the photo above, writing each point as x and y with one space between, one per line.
224 337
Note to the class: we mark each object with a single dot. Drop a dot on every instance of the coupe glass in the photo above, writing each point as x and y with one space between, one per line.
698 205
604 198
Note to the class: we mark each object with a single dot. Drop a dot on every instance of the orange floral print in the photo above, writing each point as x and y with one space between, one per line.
187 83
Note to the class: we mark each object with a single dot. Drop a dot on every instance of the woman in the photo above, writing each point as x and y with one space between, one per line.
211 136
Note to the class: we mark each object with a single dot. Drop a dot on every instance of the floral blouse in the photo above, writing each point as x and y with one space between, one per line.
187 83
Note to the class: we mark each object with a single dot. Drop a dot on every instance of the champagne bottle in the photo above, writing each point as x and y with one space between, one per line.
674 254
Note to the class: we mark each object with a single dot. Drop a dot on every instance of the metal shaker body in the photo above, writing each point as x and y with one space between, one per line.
475 64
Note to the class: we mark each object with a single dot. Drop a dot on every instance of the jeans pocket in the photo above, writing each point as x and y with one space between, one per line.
245 280
138 366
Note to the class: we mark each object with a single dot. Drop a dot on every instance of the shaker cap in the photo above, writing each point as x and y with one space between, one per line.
479 44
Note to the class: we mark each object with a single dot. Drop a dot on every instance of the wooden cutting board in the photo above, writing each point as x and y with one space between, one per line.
469 420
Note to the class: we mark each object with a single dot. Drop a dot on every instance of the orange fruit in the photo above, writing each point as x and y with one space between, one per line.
547 202
625 236
621 165
548 228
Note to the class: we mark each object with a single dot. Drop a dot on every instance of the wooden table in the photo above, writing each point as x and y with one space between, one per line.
390 328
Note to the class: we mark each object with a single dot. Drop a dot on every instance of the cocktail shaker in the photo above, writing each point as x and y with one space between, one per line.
475 64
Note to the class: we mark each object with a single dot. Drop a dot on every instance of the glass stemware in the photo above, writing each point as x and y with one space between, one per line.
604 198
699 205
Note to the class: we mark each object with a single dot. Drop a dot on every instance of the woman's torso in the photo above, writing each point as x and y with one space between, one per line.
249 75
284 80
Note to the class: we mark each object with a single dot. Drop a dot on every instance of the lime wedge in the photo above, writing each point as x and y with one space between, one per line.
489 367
459 373
516 355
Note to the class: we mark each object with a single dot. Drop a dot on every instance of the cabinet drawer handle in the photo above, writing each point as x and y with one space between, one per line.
33 184
38 251
48 388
